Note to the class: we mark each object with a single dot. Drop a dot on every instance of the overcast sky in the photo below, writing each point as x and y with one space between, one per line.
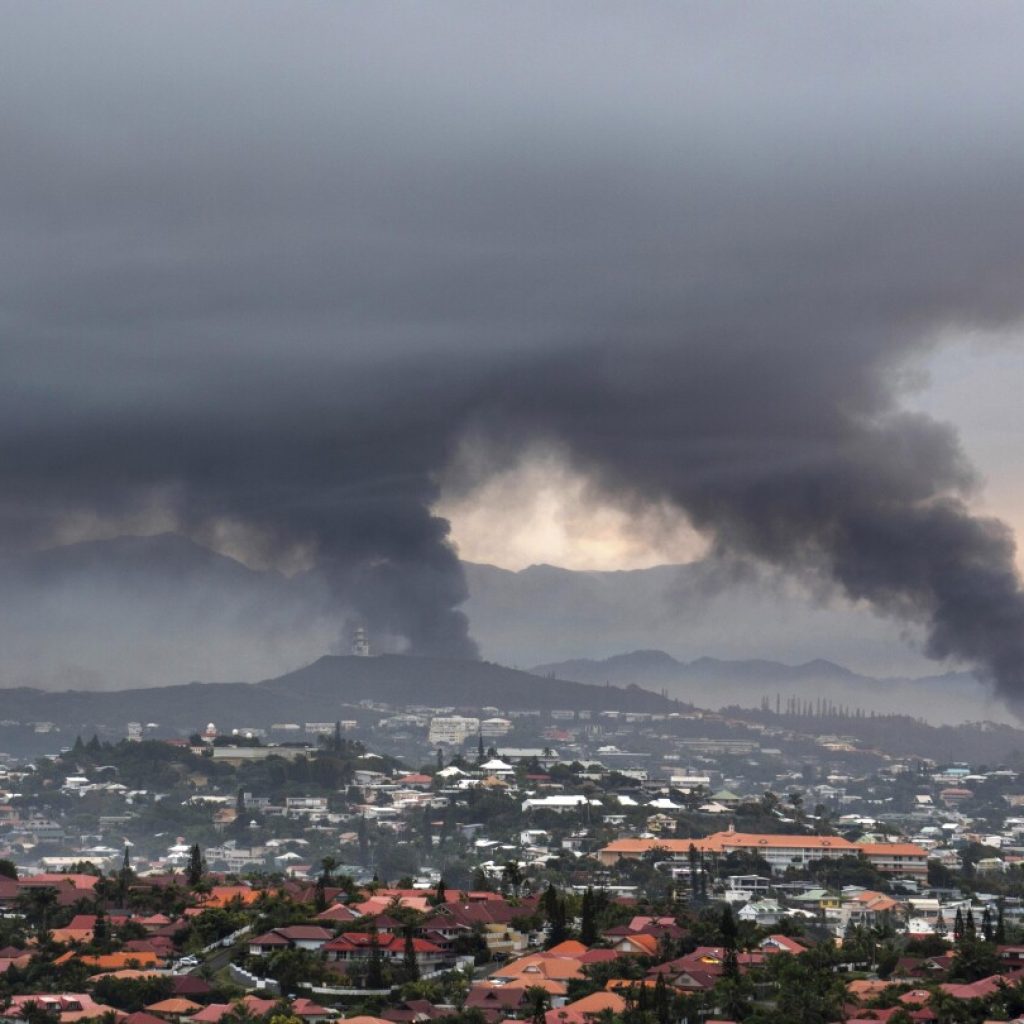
654 279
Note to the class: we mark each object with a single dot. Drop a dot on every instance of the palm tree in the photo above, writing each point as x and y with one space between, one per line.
36 904
536 1003
328 864
513 876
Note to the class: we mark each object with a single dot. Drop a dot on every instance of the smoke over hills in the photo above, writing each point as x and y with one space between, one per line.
267 304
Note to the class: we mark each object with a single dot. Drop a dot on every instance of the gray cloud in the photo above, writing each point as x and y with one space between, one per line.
278 261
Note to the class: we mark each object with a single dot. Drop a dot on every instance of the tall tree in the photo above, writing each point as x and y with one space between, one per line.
327 866
427 829
375 967
194 871
588 918
557 915
409 962
512 874
662 1002
125 876
101 930
730 935
364 842
537 1002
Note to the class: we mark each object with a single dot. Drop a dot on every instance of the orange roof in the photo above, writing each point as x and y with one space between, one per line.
643 943
643 845
541 965
379 904
866 987
115 961
174 1005
550 985
128 972
724 842
568 948
72 934
74 880
892 850
596 1002
221 895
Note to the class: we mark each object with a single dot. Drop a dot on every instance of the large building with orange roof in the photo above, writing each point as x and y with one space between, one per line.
780 851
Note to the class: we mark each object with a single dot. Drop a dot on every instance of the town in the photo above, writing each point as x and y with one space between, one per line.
480 864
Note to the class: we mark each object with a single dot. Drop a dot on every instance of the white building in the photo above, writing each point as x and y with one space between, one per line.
562 802
491 728
452 730
296 806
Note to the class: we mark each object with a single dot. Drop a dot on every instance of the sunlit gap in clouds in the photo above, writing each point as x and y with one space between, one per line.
540 509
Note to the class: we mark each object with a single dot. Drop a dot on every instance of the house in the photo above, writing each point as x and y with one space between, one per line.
781 944
496 1003
308 937
311 1012
68 1007
78 929
639 943
360 946
177 1008
761 912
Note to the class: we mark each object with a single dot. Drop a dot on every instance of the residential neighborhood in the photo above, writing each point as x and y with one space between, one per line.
606 867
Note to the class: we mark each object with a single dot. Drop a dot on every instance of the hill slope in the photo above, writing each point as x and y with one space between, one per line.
319 692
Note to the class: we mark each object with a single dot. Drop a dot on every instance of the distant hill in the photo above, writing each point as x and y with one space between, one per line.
319 691
136 612
546 614
711 682
144 611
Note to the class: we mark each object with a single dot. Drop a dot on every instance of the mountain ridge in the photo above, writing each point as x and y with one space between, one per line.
716 682
318 691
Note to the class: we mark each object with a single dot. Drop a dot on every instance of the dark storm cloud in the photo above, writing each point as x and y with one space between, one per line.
274 263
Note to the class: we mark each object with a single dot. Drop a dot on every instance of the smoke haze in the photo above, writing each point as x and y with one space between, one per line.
267 270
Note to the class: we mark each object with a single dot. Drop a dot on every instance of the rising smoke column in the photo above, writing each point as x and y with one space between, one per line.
292 459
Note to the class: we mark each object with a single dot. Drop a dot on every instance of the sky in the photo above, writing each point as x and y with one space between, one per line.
351 286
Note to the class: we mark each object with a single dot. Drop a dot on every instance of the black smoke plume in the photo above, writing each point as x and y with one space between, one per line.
271 268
